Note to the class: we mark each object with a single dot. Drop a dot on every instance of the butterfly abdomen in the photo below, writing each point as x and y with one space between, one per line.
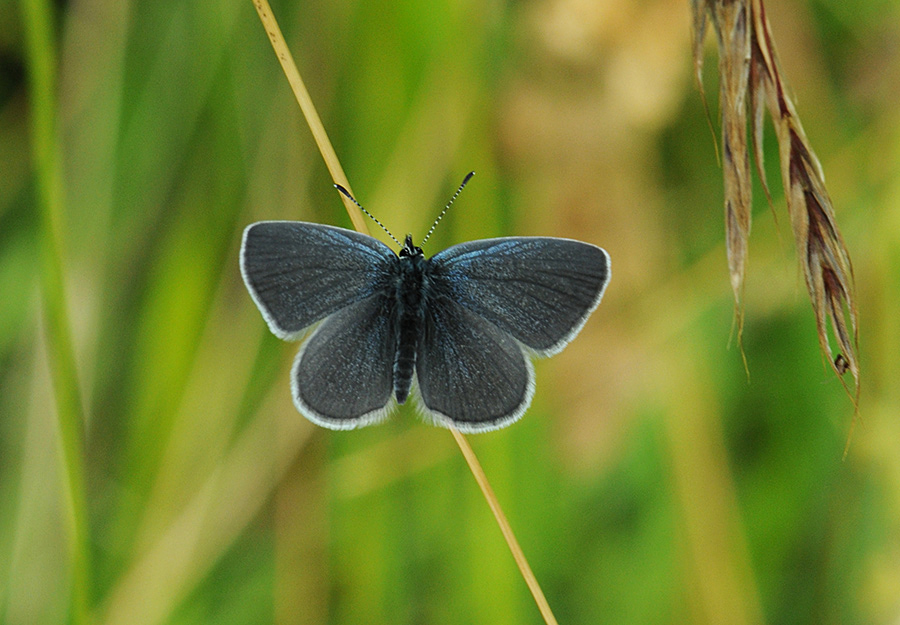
410 318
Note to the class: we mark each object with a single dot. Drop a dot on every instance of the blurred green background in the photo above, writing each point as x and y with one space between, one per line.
650 482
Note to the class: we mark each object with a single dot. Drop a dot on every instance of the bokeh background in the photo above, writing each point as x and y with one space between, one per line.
650 482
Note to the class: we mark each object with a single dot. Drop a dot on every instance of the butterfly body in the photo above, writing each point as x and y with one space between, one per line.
461 326
411 294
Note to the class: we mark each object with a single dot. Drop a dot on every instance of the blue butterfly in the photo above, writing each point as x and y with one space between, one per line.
461 326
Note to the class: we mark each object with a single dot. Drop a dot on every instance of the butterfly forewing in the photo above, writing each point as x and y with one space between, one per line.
540 290
299 273
343 376
469 372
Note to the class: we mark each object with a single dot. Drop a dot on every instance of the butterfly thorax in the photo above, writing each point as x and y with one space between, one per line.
409 317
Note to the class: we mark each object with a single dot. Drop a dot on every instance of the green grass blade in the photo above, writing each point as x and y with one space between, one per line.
38 20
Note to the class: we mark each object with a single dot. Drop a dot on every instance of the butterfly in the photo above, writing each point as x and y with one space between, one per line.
457 330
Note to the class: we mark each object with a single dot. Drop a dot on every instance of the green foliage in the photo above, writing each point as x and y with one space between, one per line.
651 481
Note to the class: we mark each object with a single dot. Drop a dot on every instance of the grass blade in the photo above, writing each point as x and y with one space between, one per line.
38 18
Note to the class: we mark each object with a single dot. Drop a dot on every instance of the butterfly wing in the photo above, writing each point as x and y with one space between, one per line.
491 302
540 290
470 373
343 376
299 273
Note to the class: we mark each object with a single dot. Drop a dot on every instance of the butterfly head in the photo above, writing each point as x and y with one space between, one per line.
410 249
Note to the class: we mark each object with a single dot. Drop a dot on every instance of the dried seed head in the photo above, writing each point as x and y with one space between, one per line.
751 77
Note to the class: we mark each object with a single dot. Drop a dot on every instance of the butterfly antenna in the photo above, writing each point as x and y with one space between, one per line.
370 215
446 208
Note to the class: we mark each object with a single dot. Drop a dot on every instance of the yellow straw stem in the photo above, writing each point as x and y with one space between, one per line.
505 528
337 174
308 109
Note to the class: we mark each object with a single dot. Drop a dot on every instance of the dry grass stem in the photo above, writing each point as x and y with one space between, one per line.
505 528
331 160
309 110
749 70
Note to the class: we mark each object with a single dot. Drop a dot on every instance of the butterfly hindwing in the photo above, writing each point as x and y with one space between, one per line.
343 376
469 372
